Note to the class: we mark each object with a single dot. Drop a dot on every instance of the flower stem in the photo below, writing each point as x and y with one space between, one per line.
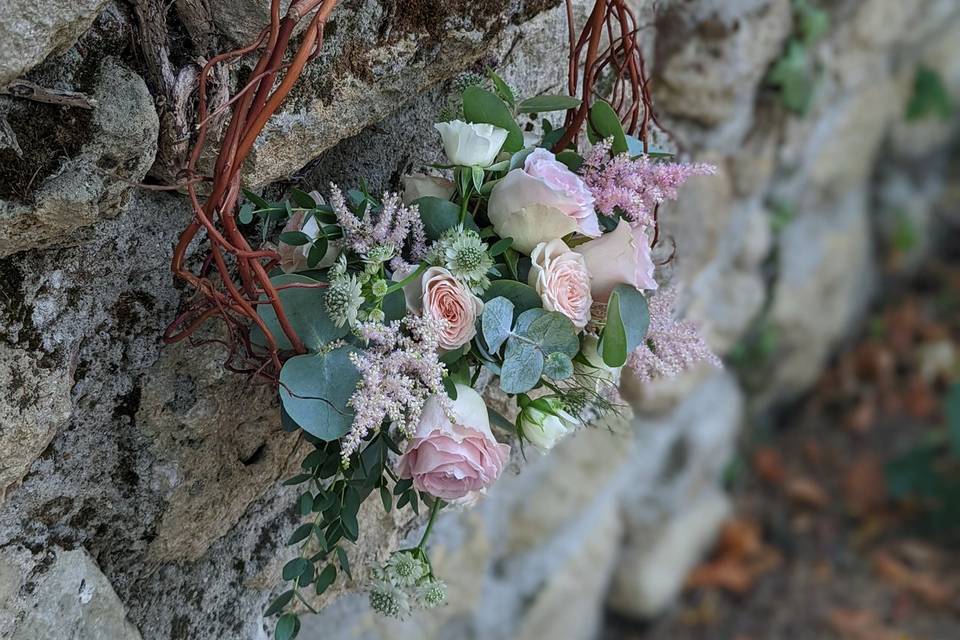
410 278
434 510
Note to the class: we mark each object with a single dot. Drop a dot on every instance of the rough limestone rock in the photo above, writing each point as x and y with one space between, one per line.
71 598
31 30
96 182
149 472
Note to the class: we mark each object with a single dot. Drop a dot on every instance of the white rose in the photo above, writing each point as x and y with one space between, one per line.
561 278
542 201
544 430
598 375
468 144
418 185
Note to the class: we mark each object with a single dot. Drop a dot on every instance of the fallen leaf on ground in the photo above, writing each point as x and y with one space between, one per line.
768 465
927 587
860 624
807 492
740 557
864 485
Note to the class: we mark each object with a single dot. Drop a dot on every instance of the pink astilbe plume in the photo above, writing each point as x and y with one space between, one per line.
399 370
637 186
672 346
394 225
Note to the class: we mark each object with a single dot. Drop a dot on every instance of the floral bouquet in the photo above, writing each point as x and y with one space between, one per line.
520 268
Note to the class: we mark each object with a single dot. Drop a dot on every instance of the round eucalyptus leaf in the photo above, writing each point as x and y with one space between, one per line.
558 366
305 310
314 390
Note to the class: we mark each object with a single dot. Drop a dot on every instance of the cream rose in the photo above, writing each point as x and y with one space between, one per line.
560 277
619 257
453 455
418 185
437 294
542 201
468 144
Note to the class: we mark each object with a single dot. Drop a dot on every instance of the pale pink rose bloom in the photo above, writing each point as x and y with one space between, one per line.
418 185
453 455
561 278
542 201
619 257
439 295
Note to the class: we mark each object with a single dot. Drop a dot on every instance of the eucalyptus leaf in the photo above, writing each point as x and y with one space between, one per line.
314 390
571 159
503 89
521 295
438 215
605 123
522 366
295 238
554 333
519 159
479 105
305 309
558 366
246 213
543 104
255 199
288 626
496 320
303 199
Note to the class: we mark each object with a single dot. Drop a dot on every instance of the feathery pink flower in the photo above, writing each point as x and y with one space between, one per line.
672 346
399 370
393 226
636 186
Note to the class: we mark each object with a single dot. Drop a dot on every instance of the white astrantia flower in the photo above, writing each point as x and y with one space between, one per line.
343 299
545 429
465 255
406 570
432 594
388 599
468 144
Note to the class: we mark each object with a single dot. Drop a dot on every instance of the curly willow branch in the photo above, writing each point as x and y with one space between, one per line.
233 279
623 59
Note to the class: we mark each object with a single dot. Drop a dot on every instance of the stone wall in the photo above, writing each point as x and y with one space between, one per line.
138 483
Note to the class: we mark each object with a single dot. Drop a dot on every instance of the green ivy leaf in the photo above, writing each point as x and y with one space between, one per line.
793 75
295 238
315 389
479 105
543 104
295 568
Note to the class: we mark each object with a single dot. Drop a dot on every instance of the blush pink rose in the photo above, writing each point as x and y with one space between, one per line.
619 257
561 278
542 201
453 455
439 295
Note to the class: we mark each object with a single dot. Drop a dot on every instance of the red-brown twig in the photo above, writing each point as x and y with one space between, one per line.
234 278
